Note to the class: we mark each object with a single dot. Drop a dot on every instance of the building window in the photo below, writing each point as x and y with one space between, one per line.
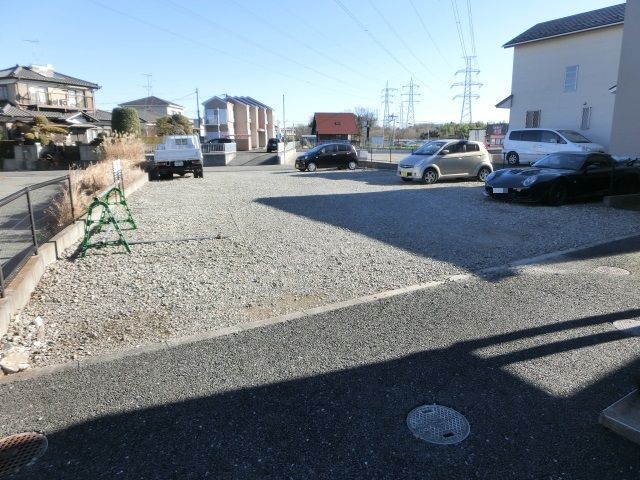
571 78
72 98
586 118
4 92
533 119
38 95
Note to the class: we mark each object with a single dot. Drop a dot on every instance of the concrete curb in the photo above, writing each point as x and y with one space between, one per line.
19 290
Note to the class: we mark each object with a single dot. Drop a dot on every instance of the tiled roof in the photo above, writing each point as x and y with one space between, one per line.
102 115
335 123
149 102
28 73
600 18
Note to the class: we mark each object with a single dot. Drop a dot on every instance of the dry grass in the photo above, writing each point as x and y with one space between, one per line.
85 184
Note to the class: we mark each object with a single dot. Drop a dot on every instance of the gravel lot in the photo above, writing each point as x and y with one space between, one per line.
280 241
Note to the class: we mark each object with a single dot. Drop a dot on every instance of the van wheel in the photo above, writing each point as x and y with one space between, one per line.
513 158
429 176
312 167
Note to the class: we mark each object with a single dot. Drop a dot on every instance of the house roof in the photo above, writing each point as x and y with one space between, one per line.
335 123
30 73
603 17
150 102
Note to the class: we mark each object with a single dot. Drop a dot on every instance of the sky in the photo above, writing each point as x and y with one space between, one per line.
297 56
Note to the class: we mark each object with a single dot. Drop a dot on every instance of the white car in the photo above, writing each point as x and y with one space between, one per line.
446 159
527 145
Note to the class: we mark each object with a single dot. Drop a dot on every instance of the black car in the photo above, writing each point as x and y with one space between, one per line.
272 145
328 155
559 176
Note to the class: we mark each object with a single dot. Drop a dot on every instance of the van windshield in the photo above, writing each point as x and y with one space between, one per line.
430 148
574 137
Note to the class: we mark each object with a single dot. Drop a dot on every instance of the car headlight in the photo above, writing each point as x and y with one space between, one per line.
530 180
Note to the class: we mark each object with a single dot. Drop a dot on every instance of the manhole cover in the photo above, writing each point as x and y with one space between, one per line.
17 451
438 424
630 326
615 271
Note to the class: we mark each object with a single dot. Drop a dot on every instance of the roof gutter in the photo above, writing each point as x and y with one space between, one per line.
507 45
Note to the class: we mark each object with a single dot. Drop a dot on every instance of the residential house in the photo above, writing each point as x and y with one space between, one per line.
625 130
37 90
151 109
563 72
334 126
249 122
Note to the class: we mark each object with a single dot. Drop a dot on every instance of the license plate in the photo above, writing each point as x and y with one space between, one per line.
405 174
500 190
179 164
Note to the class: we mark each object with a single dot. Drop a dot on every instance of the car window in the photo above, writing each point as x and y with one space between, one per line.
455 147
548 136
516 135
568 161
328 149
531 135
472 147
599 160
344 147
574 137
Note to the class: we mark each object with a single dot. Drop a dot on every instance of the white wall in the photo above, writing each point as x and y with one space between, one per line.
538 81
625 131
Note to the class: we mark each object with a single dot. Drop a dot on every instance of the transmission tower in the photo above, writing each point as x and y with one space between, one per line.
470 73
410 92
388 94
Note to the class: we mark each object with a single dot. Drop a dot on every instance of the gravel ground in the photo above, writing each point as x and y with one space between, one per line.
274 241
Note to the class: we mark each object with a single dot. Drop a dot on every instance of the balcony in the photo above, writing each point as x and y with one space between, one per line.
41 100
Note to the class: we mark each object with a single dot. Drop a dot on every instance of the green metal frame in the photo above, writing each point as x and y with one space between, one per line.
95 226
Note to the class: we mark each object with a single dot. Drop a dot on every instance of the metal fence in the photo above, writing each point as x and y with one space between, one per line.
28 221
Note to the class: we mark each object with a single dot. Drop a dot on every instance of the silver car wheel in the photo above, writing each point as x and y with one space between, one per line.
352 165
430 176
312 167
483 174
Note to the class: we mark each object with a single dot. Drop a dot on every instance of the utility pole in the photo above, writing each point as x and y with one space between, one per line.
284 125
411 101
388 95
199 118
467 96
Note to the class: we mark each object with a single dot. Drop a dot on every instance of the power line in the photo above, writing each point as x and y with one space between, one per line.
395 33
426 30
456 16
372 36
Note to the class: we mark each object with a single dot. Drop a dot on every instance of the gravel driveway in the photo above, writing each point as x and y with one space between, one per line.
279 241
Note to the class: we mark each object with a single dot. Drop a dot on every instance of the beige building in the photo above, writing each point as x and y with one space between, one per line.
249 122
625 130
564 73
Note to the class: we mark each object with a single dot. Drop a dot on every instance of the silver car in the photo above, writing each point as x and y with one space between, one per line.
446 159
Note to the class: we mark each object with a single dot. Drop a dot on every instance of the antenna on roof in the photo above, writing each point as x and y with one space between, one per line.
35 45
148 85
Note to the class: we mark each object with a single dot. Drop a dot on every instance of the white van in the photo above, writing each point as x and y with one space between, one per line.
526 145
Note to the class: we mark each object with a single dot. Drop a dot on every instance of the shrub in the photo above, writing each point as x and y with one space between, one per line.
125 120
95 178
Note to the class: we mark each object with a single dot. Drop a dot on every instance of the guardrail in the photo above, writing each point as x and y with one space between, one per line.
27 221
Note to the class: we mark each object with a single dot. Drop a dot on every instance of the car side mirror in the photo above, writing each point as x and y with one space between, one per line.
444 152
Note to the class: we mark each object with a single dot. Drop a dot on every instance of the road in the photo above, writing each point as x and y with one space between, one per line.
11 182
529 355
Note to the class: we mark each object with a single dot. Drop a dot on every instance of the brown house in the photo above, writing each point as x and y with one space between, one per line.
37 90
334 126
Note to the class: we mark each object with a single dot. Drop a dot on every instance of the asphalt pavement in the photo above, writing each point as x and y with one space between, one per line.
528 354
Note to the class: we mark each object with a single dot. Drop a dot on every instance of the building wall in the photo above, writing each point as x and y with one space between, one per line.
626 127
538 81
243 129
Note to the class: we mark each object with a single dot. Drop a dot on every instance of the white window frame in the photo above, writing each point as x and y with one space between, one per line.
571 78
72 98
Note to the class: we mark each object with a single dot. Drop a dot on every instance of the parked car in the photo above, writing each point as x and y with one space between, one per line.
220 140
179 154
272 145
446 159
525 146
560 176
328 155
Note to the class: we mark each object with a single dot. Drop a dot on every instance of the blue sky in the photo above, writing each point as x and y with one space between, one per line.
322 55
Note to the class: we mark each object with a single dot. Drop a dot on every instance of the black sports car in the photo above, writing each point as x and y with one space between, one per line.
559 176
